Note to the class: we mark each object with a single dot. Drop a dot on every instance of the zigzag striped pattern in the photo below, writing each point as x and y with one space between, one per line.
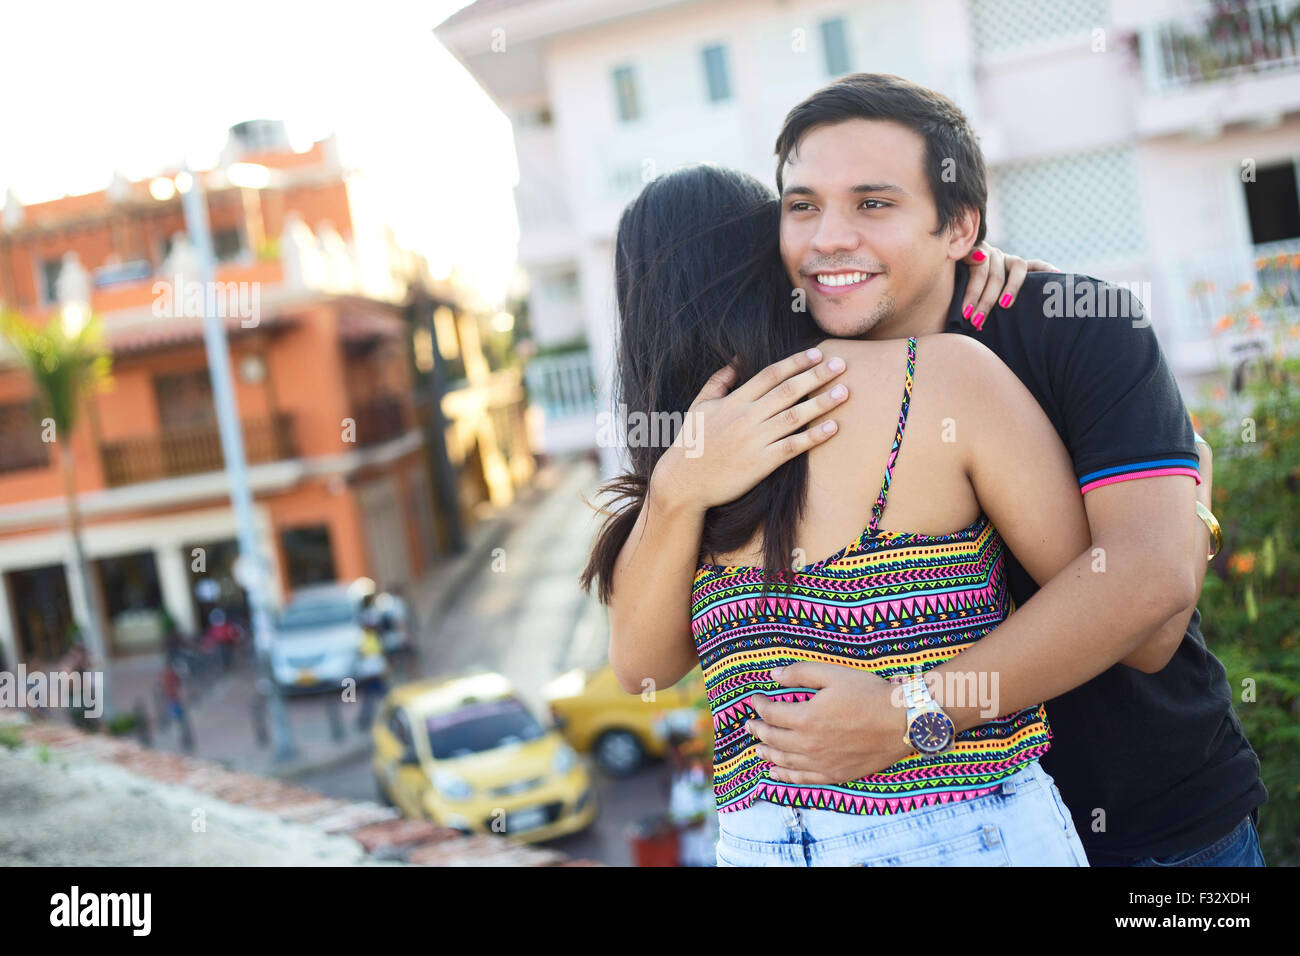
888 601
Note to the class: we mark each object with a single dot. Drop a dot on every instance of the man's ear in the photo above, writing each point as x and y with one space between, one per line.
962 232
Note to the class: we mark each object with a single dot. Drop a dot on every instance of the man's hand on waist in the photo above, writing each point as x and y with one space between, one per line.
848 729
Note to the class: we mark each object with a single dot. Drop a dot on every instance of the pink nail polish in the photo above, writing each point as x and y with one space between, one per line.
965 313
978 321
977 256
1005 300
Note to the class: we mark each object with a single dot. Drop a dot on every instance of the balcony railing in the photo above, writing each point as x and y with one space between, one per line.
1221 40
194 450
563 385
382 419
1253 289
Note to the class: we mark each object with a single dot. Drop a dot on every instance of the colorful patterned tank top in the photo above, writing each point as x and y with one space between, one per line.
889 600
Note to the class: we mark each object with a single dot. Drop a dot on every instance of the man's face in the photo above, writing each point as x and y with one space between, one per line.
857 220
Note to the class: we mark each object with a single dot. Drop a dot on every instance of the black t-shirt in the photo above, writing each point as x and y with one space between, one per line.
1162 755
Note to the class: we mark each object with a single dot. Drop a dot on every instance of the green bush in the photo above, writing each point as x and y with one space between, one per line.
1251 598
124 723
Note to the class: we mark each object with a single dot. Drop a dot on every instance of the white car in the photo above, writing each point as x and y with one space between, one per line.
317 640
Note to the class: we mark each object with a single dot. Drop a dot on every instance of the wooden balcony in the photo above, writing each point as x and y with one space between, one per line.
382 419
189 451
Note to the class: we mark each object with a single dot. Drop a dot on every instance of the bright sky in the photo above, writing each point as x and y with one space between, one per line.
136 85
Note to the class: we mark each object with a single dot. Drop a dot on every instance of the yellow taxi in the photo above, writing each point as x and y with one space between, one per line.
620 730
467 753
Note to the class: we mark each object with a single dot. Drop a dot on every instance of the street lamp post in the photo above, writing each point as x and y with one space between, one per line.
251 570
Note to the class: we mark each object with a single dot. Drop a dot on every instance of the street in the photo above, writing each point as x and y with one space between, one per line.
523 615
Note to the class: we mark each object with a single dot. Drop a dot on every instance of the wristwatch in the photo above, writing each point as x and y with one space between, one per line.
1216 533
929 729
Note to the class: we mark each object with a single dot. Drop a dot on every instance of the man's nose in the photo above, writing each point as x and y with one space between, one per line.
835 233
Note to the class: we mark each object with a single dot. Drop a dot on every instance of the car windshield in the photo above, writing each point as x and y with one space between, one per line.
481 726
317 612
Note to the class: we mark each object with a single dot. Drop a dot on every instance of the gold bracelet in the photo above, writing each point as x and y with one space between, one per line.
1216 533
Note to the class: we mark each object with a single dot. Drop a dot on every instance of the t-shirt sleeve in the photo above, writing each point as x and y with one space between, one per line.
1124 416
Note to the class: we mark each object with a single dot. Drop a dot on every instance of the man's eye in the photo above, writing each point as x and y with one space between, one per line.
799 206
879 204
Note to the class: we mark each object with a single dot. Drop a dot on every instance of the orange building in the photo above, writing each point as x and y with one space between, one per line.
313 296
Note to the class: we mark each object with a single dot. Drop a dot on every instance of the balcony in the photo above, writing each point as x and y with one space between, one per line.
382 418
194 450
563 389
1220 41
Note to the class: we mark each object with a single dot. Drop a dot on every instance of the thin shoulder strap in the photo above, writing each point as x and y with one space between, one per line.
879 508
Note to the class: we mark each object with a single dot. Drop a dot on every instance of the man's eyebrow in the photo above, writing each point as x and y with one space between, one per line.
860 188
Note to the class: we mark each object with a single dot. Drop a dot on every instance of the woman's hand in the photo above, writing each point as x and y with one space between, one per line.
730 441
995 278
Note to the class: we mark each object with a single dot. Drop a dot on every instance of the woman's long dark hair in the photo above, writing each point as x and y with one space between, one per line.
700 285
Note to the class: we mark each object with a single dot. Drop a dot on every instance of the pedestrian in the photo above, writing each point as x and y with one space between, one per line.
372 673
174 701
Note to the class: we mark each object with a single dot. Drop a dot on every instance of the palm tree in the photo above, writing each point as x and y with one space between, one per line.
66 362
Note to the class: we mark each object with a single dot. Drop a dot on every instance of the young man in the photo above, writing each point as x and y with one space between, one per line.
883 193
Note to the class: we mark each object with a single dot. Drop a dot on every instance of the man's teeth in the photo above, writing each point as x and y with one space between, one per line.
843 278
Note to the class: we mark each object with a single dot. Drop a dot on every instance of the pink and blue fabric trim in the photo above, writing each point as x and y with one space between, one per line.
1140 469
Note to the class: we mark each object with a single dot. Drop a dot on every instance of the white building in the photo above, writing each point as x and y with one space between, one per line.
1136 141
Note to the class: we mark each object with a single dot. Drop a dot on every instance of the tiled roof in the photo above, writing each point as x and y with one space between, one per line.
381 831
165 333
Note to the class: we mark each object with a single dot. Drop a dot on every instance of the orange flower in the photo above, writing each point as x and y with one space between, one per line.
1243 562
1223 324
1255 322
1243 288
1219 394
1295 260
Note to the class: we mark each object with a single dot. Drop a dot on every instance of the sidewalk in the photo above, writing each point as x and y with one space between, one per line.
223 718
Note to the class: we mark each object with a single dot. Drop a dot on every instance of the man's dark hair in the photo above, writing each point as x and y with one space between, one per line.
932 116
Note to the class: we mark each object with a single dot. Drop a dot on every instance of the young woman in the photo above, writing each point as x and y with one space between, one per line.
700 287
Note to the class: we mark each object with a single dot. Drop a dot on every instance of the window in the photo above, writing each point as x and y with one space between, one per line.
560 287
184 399
20 438
50 270
307 555
715 73
1272 204
629 107
226 244
835 45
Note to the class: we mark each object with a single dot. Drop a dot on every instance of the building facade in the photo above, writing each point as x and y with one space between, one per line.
327 379
1155 143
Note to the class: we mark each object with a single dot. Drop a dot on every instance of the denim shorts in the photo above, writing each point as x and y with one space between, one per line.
1024 822
1238 848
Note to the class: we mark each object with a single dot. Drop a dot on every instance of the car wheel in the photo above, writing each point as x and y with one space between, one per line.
384 798
618 752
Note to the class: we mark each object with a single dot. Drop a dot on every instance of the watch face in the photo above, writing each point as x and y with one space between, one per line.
930 732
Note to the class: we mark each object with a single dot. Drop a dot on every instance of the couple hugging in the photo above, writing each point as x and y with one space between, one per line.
867 500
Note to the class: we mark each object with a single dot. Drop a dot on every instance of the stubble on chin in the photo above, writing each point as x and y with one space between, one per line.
870 326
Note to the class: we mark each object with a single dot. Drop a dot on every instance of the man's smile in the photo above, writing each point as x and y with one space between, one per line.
837 282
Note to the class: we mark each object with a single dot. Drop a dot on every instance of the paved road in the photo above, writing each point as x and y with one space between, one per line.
524 616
